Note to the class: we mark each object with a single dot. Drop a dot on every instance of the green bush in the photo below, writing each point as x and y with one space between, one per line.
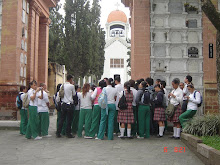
207 125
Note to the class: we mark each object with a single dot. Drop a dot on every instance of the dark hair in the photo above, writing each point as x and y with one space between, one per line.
58 87
176 81
144 84
132 83
163 83
105 79
127 86
150 81
157 85
102 84
33 82
158 80
110 82
189 78
76 87
85 89
69 77
141 79
117 78
190 85
42 84
22 88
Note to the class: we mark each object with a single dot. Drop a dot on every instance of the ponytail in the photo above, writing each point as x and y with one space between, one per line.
127 85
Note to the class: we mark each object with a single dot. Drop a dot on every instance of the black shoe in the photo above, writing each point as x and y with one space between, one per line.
172 137
177 138
70 136
131 137
58 136
158 136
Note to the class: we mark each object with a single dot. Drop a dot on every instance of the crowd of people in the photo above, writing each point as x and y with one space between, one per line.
135 109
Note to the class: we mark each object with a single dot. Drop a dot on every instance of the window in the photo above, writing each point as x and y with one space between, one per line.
117 63
193 52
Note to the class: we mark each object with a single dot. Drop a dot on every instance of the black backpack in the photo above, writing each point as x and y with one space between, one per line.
19 101
146 97
57 104
122 104
75 100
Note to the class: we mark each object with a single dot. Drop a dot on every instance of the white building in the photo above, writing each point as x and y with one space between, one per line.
117 46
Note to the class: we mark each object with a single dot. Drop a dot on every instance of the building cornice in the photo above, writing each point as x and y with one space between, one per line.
110 42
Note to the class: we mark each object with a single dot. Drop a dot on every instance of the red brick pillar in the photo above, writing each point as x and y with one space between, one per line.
43 50
140 39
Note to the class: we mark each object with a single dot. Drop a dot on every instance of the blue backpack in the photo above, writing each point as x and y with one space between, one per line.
200 104
19 101
102 100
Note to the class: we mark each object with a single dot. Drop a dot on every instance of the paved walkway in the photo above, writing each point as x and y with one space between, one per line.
15 149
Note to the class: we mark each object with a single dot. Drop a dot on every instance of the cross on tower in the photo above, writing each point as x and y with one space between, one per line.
117 5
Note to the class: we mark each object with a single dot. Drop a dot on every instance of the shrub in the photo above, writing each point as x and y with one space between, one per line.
207 125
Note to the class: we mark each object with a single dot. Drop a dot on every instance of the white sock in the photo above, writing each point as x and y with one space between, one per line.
161 129
128 132
178 132
174 131
122 130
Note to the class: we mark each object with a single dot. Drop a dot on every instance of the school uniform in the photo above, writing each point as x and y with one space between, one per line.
33 121
43 112
144 112
109 115
75 122
192 107
185 101
85 116
134 126
96 113
24 116
119 88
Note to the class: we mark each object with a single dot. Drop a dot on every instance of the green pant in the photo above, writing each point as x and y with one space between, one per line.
134 125
116 125
85 117
144 120
63 132
44 123
96 116
24 121
104 117
188 114
33 123
75 122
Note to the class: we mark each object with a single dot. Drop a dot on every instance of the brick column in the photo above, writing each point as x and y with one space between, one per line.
43 50
140 39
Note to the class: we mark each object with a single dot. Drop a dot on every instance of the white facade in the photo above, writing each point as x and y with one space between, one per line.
176 41
116 49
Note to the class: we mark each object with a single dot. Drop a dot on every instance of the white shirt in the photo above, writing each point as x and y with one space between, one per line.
86 101
179 97
118 88
77 108
134 96
30 94
42 103
185 91
111 94
69 92
194 101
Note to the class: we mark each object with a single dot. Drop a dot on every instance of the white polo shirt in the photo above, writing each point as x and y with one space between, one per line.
86 101
194 101
111 94
69 92
179 97
119 89
42 103
30 94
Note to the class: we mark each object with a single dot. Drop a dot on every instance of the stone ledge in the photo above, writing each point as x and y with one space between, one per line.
12 125
206 154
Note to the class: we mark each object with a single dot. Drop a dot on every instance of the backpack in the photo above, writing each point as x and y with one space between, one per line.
75 100
102 100
61 92
146 97
122 104
200 104
19 101
164 101
26 101
57 104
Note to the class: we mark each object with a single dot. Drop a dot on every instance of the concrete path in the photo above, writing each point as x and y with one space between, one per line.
16 150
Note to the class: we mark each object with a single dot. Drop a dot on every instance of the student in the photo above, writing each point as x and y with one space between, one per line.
176 98
193 100
143 113
119 87
182 85
126 116
85 116
96 113
23 112
134 126
43 111
188 80
159 111
33 121
158 81
67 107
75 123
109 113
163 85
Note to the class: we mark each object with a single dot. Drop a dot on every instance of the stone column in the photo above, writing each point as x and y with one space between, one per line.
43 50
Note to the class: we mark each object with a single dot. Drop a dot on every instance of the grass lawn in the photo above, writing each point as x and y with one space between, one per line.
212 141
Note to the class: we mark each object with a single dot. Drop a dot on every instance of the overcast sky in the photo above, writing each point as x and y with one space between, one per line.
106 7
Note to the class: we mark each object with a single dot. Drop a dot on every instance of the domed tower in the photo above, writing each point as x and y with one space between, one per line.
117 25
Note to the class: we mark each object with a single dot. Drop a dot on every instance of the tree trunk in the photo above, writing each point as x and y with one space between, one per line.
218 65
